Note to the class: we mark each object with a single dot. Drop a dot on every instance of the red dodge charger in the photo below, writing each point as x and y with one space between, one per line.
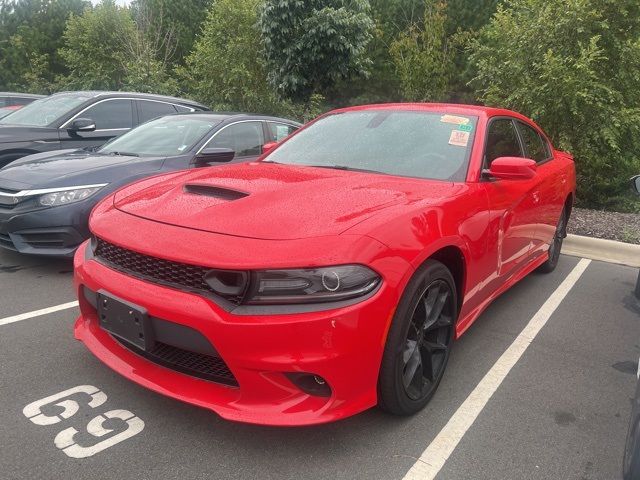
333 274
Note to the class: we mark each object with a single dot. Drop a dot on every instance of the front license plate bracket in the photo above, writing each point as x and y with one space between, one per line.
125 320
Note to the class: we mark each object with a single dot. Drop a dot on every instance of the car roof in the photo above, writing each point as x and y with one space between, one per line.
108 94
225 116
453 108
22 95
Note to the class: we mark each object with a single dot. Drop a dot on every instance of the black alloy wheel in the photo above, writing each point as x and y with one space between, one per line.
427 343
556 244
419 341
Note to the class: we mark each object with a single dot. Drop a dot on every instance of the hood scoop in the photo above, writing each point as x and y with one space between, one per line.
215 192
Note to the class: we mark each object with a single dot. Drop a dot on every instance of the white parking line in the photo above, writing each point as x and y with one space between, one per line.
37 313
438 452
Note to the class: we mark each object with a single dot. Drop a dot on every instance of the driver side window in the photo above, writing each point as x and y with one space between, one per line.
111 114
502 141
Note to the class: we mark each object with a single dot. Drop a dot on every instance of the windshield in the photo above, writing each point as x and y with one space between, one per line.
166 136
45 111
396 142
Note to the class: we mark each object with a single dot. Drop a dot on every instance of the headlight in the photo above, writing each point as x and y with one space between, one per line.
64 197
282 287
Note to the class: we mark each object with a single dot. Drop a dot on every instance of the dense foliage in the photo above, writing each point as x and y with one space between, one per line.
30 36
223 70
311 45
579 81
572 65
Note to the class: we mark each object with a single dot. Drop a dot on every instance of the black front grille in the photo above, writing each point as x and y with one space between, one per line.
165 272
191 363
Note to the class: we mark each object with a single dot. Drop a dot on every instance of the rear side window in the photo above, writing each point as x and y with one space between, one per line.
111 114
183 109
246 139
535 146
22 100
502 141
278 131
148 110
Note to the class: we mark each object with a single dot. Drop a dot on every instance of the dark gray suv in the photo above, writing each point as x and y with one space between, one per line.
81 119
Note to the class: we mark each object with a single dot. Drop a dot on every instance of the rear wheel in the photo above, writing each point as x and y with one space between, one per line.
556 244
419 341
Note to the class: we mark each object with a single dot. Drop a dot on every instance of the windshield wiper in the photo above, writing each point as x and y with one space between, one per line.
349 169
124 154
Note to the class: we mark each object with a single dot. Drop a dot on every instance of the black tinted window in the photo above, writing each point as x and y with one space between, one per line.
502 141
148 110
110 114
245 139
279 131
10 101
534 145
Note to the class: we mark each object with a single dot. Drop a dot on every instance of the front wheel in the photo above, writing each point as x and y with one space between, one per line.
556 244
419 341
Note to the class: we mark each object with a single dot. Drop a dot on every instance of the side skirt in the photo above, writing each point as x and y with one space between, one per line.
464 323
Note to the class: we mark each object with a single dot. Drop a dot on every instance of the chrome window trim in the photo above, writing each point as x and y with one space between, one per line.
166 103
14 198
111 129
225 127
65 124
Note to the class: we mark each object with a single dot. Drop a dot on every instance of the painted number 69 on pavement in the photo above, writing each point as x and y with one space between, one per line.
66 439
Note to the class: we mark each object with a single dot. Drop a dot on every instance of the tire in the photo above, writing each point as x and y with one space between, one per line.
556 244
419 341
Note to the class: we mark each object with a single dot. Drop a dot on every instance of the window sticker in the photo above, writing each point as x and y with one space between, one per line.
454 119
465 128
459 138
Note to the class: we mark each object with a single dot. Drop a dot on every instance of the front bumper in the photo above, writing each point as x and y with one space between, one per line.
56 231
344 346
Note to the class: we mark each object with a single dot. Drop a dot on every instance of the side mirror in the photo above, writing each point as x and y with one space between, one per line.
635 182
512 168
82 125
221 155
267 147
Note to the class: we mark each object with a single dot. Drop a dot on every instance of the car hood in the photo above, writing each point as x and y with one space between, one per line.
47 170
272 201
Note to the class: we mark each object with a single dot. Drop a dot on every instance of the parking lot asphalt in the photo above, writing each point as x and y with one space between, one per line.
561 412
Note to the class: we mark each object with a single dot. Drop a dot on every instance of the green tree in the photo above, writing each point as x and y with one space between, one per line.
226 69
312 45
94 47
131 53
30 35
181 20
423 57
464 21
571 65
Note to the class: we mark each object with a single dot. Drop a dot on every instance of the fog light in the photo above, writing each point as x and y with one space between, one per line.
311 384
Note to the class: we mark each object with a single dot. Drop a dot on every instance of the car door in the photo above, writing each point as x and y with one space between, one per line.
551 187
512 202
112 117
245 138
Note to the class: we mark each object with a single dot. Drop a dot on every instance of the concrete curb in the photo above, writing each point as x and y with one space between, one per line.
603 250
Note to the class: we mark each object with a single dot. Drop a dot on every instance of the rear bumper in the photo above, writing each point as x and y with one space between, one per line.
344 346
